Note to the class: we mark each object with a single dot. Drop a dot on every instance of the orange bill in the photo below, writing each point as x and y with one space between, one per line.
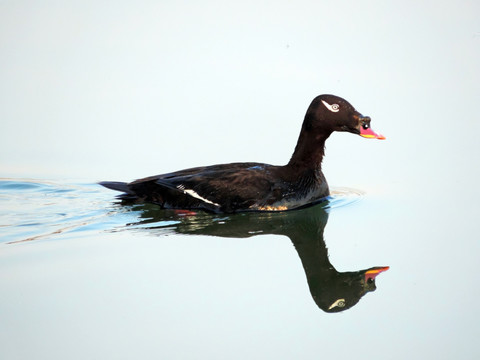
370 134
372 273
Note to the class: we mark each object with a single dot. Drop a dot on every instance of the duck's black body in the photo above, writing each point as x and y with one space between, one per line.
253 186
229 188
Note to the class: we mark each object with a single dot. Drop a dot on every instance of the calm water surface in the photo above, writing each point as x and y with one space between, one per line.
96 278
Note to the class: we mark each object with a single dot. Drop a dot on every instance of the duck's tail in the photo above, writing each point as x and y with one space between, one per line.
118 186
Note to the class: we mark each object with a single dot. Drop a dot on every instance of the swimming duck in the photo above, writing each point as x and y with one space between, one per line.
240 187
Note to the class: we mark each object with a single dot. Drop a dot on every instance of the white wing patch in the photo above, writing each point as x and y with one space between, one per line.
332 108
192 193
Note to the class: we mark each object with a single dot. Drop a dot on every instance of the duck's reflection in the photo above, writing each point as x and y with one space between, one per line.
333 291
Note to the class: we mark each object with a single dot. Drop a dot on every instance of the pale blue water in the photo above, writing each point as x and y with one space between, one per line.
136 280
41 210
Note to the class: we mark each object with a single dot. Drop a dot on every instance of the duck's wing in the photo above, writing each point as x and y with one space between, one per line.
218 188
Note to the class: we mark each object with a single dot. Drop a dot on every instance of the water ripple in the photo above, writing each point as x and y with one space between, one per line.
343 196
40 209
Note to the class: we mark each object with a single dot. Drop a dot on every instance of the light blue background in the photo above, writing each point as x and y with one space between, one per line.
117 90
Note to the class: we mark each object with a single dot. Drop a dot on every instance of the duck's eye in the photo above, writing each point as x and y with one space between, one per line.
369 280
365 126
332 108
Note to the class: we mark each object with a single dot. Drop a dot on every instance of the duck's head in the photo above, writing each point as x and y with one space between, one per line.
332 113
347 288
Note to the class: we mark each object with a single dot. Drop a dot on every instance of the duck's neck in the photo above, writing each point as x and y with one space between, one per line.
310 149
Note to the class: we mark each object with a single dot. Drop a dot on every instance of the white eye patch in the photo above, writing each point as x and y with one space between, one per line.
332 108
339 303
